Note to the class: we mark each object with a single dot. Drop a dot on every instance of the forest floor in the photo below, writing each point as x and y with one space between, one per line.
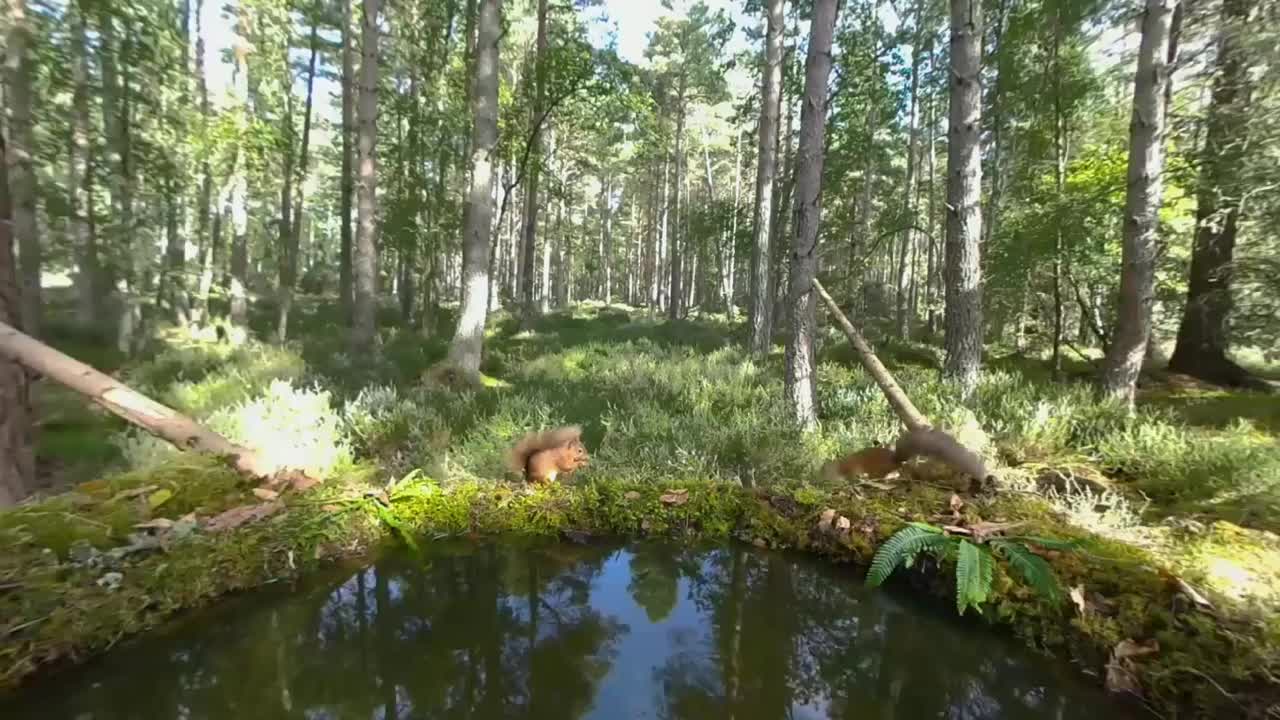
688 437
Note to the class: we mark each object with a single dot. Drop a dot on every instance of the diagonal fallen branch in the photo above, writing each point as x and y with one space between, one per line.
129 404
902 405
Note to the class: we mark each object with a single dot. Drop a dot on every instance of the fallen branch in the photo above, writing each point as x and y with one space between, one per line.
902 405
127 403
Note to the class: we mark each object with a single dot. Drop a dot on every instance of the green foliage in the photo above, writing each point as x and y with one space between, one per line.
1031 568
975 569
975 563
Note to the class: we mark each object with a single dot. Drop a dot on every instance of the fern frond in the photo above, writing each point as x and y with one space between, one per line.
975 568
902 548
1032 568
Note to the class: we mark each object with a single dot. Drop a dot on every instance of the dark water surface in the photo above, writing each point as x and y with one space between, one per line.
540 632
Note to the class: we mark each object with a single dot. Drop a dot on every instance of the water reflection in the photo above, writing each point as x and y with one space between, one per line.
501 631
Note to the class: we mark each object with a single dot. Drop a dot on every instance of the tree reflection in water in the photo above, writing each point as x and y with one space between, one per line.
559 631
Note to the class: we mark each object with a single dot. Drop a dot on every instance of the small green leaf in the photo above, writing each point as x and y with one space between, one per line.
159 497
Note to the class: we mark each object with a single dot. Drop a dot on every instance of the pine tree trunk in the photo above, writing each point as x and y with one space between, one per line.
997 125
17 431
730 273
200 307
963 317
529 234
20 158
606 231
801 392
172 290
365 253
676 248
116 120
289 252
468 339
238 265
760 309
347 182
908 190
664 226
1059 183
1201 349
80 178
1142 205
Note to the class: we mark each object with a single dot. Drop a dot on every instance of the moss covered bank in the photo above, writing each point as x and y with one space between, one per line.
78 574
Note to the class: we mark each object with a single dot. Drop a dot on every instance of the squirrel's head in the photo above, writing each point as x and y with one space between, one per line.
576 453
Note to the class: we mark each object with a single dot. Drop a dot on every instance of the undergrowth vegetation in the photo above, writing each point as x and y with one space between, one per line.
679 405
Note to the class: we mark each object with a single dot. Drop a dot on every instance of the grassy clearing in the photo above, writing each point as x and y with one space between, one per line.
1176 489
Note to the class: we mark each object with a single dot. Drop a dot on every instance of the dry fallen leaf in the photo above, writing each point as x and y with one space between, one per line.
843 524
955 505
265 494
1196 597
237 516
1122 673
675 497
1077 597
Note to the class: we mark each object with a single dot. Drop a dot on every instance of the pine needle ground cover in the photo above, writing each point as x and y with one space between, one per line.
688 441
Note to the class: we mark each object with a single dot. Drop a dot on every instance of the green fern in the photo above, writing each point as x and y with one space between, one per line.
1032 568
975 568
902 549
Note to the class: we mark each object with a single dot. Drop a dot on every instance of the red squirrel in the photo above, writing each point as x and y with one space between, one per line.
879 462
542 456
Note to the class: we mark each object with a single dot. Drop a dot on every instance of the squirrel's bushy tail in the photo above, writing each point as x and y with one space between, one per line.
518 456
940 446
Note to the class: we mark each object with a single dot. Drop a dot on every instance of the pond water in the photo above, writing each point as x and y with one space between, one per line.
489 631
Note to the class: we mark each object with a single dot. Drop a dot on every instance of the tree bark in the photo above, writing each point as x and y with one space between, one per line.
347 182
468 339
606 237
1142 205
17 431
909 189
676 248
529 234
1201 349
730 271
80 178
20 158
289 259
761 304
800 390
364 331
239 191
126 403
200 308
963 317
